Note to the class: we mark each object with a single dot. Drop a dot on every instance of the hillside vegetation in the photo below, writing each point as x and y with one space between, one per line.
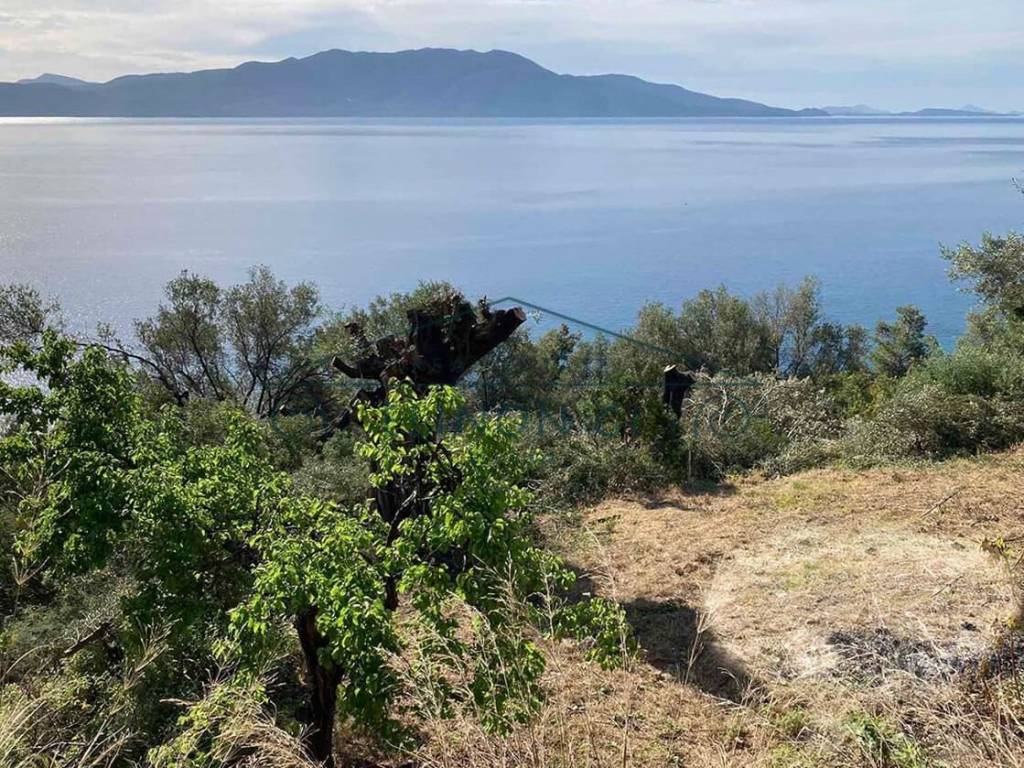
413 533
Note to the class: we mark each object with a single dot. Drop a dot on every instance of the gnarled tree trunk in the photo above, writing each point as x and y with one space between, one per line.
322 683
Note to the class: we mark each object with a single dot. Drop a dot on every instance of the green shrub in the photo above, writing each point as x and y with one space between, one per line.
743 423
884 745
583 468
336 473
974 371
717 453
924 420
600 625
854 393
801 455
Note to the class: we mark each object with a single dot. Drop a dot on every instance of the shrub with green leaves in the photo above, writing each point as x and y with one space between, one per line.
975 371
741 423
99 485
450 519
884 745
66 451
101 489
994 269
583 468
951 404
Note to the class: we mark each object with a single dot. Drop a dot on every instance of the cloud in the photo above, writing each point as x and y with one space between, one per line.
788 48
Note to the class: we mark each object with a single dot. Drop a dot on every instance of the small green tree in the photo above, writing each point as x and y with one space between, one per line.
90 485
98 483
24 313
66 450
251 344
456 525
521 374
722 332
211 540
901 344
791 317
994 270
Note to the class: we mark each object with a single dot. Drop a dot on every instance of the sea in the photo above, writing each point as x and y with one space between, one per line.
581 219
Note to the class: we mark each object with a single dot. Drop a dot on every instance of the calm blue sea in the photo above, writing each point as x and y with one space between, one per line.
592 218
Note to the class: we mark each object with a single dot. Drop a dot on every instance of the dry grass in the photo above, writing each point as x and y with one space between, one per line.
30 737
231 726
832 618
594 719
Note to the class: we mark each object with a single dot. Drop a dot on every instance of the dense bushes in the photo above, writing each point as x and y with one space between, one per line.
965 402
583 468
973 370
817 393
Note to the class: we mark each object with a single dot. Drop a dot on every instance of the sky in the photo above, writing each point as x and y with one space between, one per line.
892 54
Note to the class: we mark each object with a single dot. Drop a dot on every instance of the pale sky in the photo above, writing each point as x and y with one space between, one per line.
896 54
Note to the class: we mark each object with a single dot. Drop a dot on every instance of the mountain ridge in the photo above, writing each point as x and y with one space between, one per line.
863 110
52 79
426 82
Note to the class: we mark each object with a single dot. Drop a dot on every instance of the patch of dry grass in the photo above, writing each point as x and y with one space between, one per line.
832 618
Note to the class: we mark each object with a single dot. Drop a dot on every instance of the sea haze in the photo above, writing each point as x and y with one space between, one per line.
589 217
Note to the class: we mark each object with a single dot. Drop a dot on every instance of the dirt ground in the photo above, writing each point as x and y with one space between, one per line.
827 600
831 618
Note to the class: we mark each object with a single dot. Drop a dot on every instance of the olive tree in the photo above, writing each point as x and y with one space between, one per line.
25 313
994 270
901 344
251 344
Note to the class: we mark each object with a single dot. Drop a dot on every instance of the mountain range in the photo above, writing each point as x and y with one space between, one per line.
429 82
863 110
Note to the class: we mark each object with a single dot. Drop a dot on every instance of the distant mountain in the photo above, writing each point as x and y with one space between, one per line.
862 110
940 112
67 82
423 83
858 110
